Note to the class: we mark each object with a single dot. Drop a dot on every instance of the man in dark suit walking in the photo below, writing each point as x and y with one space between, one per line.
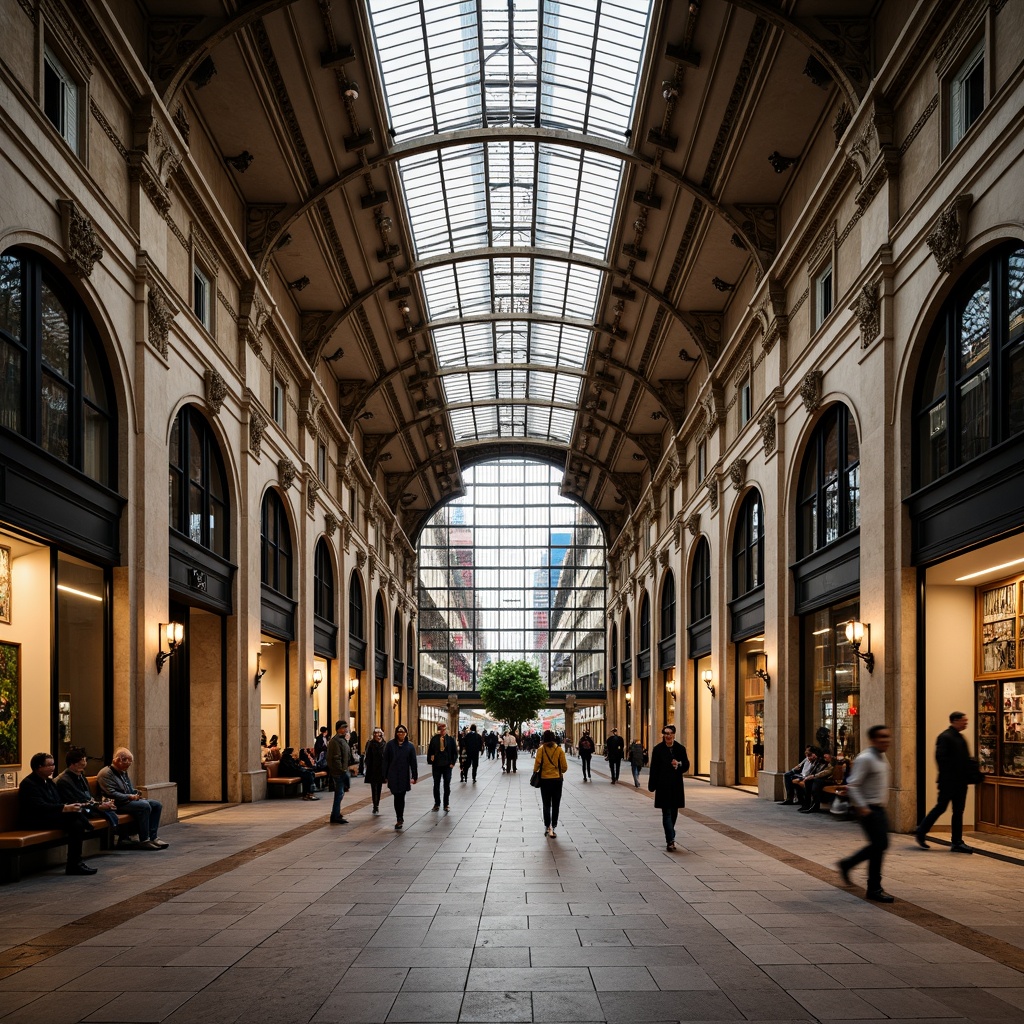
955 769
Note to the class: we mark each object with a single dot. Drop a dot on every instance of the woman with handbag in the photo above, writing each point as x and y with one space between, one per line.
400 771
550 764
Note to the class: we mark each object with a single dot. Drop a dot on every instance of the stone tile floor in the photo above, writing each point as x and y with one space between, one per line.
265 912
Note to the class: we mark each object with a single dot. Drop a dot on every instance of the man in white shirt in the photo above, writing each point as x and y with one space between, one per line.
868 790
798 771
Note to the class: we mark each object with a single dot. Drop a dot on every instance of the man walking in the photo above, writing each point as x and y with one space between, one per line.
586 748
442 754
616 747
868 790
669 763
339 757
954 761
473 745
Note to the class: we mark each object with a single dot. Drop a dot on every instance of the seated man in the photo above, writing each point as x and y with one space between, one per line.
115 783
42 807
812 787
798 771
74 788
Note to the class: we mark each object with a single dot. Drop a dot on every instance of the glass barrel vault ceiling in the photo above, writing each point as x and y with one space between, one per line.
447 66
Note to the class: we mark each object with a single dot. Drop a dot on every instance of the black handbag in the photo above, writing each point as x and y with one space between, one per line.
535 780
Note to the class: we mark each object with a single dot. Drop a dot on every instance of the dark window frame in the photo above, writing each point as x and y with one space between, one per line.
668 606
275 545
84 346
644 637
700 582
355 607
323 582
379 626
190 419
940 385
814 500
748 546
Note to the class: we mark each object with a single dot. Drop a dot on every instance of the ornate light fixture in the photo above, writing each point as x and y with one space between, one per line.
171 634
856 633
707 676
761 668
318 678
260 671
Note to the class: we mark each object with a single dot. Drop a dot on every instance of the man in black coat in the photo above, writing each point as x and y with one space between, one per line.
669 763
42 806
954 761
442 754
473 745
616 747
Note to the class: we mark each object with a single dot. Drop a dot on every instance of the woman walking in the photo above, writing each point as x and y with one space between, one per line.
400 771
550 762
637 759
373 767
668 765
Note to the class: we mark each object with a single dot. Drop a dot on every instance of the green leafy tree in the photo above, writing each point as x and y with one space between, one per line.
513 692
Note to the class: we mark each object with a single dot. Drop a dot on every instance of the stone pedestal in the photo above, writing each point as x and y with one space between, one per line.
770 786
167 794
254 786
717 774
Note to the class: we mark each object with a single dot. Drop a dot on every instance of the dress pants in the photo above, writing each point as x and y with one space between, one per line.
615 763
551 800
947 795
876 828
445 774
585 759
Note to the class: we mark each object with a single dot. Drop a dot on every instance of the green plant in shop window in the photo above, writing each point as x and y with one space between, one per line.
10 718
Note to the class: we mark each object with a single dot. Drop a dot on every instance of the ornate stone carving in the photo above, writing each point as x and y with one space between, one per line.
312 332
182 124
261 224
738 474
713 404
946 239
810 390
330 523
707 330
663 558
81 243
767 425
252 316
693 523
712 489
287 471
360 558
650 445
312 490
841 122
216 390
761 226
257 426
159 316
866 307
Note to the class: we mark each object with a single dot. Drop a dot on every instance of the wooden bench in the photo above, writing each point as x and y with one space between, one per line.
14 840
280 783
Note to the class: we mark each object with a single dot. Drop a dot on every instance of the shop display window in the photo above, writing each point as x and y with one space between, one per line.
999 633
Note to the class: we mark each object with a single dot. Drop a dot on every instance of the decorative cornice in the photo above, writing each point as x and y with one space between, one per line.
81 243
330 523
253 315
768 432
810 390
312 490
947 237
693 523
738 473
867 308
216 390
712 488
287 471
159 315
257 426
360 558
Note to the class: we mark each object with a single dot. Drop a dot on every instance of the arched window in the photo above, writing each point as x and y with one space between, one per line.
829 493
970 394
55 388
379 634
613 647
627 638
355 607
668 607
276 546
645 624
396 635
323 582
410 654
700 582
748 547
197 483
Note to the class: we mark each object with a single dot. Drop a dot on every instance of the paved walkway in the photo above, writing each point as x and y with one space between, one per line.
263 912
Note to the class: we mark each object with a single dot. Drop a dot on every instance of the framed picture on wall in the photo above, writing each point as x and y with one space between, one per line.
5 584
10 705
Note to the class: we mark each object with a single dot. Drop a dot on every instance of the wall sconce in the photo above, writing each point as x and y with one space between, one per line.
707 676
396 696
318 678
670 688
761 668
856 633
353 685
171 634
629 697
260 672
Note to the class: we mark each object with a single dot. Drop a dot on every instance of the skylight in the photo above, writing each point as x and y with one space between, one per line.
450 65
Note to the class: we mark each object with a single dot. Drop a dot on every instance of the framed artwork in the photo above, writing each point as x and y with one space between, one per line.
5 584
10 704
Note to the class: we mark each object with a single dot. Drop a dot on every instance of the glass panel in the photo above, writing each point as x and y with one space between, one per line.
1015 301
55 399
195 513
96 445
751 694
218 528
1013 729
10 386
56 333
93 383
10 295
987 718
975 327
934 444
1015 392
975 428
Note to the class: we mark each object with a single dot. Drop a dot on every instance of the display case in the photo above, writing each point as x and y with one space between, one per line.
999 628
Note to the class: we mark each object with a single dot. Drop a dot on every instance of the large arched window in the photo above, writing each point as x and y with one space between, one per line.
613 646
668 607
396 649
829 493
323 582
700 582
276 546
355 607
748 547
197 483
645 624
379 629
970 394
55 388
627 649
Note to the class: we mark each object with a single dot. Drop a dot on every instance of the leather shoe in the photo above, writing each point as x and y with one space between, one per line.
81 868
787 803
845 872
813 809
919 839
150 844
160 843
339 821
961 848
881 896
